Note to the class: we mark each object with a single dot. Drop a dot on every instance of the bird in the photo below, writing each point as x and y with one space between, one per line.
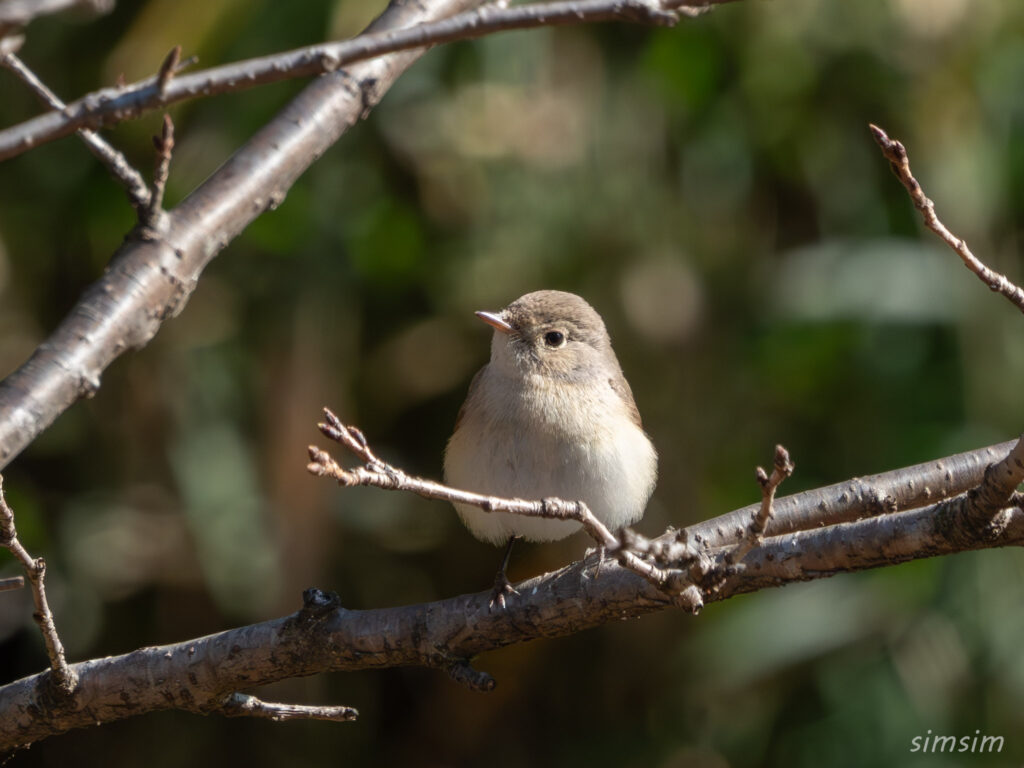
550 415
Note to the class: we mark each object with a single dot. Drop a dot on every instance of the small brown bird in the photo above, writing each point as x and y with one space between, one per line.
550 415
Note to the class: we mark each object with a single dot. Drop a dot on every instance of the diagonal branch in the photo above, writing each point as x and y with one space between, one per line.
113 105
150 279
194 675
896 154
899 489
35 568
118 165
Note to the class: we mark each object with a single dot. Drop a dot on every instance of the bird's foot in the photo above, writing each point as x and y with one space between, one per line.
595 554
502 588
600 561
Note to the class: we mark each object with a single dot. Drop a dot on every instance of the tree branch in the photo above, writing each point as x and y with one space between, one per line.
782 468
678 562
151 278
244 705
379 474
15 14
199 675
153 215
112 105
11 583
978 515
896 154
63 677
887 492
118 165
984 503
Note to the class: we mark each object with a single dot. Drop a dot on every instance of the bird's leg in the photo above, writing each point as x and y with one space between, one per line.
502 586
600 560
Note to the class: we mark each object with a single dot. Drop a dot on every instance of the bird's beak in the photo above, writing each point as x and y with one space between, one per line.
495 320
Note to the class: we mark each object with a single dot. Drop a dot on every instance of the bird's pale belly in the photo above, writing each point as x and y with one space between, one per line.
517 463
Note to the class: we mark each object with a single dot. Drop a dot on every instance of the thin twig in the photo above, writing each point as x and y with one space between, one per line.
380 474
164 145
987 503
35 568
896 154
244 705
782 468
12 582
117 163
466 674
168 69
113 105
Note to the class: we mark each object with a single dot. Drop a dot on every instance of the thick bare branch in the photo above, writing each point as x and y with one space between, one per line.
672 563
899 489
200 675
197 675
937 529
112 105
980 512
116 162
896 154
35 569
150 279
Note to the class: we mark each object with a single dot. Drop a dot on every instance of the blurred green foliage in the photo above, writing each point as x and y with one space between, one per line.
713 191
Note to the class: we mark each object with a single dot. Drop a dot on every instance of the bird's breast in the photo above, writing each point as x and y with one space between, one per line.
555 438
534 439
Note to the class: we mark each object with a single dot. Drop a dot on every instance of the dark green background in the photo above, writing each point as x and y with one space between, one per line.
713 191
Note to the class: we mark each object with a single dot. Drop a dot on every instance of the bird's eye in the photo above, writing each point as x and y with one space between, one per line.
554 338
